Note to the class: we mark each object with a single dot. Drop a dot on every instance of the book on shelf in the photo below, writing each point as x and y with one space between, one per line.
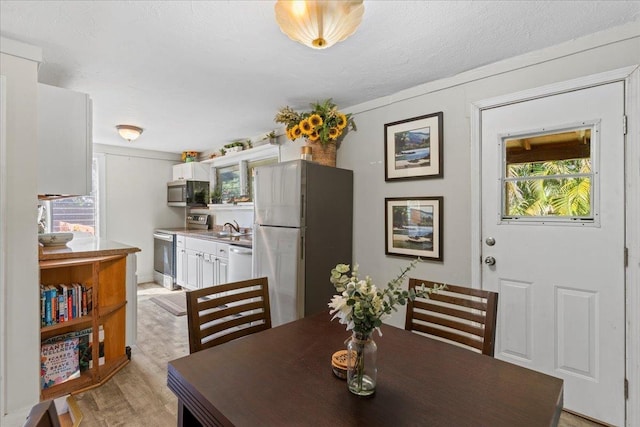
64 302
85 345
59 362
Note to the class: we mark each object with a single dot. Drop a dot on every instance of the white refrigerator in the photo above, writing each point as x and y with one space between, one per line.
303 228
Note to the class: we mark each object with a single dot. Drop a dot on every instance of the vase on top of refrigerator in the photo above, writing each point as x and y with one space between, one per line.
303 228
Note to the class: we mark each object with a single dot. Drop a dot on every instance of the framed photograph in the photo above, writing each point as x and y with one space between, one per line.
413 227
413 148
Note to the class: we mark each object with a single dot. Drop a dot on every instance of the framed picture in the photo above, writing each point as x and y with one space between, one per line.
413 148
413 227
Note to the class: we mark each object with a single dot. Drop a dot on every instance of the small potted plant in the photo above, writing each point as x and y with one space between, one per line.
273 138
216 195
234 146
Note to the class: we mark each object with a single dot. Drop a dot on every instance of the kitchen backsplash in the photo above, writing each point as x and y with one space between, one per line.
243 216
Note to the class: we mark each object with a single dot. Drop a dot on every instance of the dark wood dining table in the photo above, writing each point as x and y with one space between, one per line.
283 377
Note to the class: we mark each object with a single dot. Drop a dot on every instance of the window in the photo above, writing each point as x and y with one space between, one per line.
549 175
76 214
228 181
235 180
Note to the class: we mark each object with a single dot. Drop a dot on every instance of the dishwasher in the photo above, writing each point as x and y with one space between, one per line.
240 263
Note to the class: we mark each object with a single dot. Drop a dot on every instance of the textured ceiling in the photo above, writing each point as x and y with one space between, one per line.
198 74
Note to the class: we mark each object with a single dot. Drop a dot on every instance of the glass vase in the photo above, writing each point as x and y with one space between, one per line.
362 370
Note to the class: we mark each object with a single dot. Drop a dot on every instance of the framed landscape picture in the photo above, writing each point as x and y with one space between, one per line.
413 227
413 148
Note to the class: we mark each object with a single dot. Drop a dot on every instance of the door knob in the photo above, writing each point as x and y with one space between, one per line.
490 241
490 260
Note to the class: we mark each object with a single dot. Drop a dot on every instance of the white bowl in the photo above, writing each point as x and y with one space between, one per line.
55 239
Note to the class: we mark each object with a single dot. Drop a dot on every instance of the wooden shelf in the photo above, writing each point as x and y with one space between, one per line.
85 381
255 153
106 275
65 327
106 311
70 262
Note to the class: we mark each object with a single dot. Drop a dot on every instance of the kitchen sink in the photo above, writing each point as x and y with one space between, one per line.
228 234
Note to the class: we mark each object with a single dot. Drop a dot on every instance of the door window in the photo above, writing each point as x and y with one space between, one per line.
550 176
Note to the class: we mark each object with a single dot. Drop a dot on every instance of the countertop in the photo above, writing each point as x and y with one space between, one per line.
86 247
246 241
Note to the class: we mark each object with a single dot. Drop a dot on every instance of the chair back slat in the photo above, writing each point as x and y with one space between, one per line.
459 314
449 311
219 314
461 339
449 323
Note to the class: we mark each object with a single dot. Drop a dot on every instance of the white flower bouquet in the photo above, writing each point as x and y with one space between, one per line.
362 306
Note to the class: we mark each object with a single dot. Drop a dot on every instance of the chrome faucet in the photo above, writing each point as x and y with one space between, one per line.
235 227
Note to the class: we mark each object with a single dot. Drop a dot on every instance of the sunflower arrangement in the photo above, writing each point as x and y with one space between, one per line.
190 156
324 123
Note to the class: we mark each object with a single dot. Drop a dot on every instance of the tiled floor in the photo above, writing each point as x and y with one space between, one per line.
138 396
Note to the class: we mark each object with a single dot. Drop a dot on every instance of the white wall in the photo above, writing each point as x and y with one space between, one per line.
19 294
136 200
363 151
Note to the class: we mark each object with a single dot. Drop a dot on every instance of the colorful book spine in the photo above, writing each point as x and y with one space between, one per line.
64 303
61 308
43 299
84 301
78 299
47 307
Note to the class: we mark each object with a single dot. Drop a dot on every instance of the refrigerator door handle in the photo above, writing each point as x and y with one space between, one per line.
301 247
302 206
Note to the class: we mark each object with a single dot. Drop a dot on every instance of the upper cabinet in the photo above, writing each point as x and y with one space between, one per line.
191 170
65 146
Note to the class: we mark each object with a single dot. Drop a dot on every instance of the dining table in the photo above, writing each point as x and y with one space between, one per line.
283 377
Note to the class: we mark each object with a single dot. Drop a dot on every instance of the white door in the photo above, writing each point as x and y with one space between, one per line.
558 241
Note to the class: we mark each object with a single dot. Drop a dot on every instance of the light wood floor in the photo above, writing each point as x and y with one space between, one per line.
138 396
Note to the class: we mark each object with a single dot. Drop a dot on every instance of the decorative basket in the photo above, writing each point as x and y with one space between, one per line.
323 154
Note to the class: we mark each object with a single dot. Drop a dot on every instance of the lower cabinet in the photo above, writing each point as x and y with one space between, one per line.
181 261
192 279
204 262
223 268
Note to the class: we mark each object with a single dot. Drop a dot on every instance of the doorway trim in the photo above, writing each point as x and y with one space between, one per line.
3 241
631 77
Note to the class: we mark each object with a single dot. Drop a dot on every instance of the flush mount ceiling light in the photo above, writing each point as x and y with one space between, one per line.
129 132
319 24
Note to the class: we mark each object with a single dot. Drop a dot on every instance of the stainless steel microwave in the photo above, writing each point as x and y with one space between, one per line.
187 193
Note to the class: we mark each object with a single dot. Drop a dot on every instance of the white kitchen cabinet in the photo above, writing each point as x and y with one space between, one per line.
65 146
206 263
193 276
223 269
208 270
192 170
181 261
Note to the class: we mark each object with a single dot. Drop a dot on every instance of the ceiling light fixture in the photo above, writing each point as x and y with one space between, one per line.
129 132
319 24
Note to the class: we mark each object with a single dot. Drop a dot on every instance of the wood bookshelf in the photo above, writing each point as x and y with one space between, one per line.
106 276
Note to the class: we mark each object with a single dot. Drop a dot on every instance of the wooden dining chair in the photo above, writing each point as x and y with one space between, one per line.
463 315
222 313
